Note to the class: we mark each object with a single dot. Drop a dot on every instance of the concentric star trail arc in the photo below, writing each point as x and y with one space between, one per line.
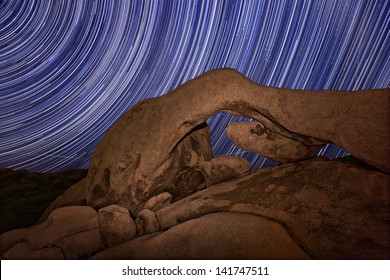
70 69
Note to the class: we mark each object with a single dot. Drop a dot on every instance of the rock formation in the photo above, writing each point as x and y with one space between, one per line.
140 152
161 194
317 209
331 209
69 233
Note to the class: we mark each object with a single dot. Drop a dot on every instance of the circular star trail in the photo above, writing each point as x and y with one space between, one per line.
70 69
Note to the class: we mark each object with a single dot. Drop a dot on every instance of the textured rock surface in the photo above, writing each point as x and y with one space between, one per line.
321 209
178 174
68 233
224 168
115 226
254 137
214 236
136 154
332 209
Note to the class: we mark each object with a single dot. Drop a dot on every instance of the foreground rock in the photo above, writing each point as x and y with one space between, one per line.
214 236
146 222
68 233
331 209
158 201
224 168
319 209
157 145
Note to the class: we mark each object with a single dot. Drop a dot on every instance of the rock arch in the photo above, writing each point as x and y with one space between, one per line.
290 125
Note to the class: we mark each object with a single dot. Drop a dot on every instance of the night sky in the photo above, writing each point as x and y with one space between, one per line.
70 69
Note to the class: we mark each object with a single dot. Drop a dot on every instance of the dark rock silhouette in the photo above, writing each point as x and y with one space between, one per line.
161 194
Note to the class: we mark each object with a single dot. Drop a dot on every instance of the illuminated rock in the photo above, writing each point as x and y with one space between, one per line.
254 137
136 159
224 168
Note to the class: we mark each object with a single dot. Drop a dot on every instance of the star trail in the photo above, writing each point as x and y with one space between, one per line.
70 69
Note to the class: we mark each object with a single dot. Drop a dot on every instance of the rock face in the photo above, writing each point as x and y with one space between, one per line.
223 168
318 209
158 201
158 144
68 233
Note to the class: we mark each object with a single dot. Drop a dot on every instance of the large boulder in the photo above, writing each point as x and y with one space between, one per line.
214 236
139 155
68 233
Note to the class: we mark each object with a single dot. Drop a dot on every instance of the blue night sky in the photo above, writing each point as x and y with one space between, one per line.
70 69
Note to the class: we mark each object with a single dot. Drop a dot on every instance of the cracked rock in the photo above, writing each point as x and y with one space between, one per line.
146 222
